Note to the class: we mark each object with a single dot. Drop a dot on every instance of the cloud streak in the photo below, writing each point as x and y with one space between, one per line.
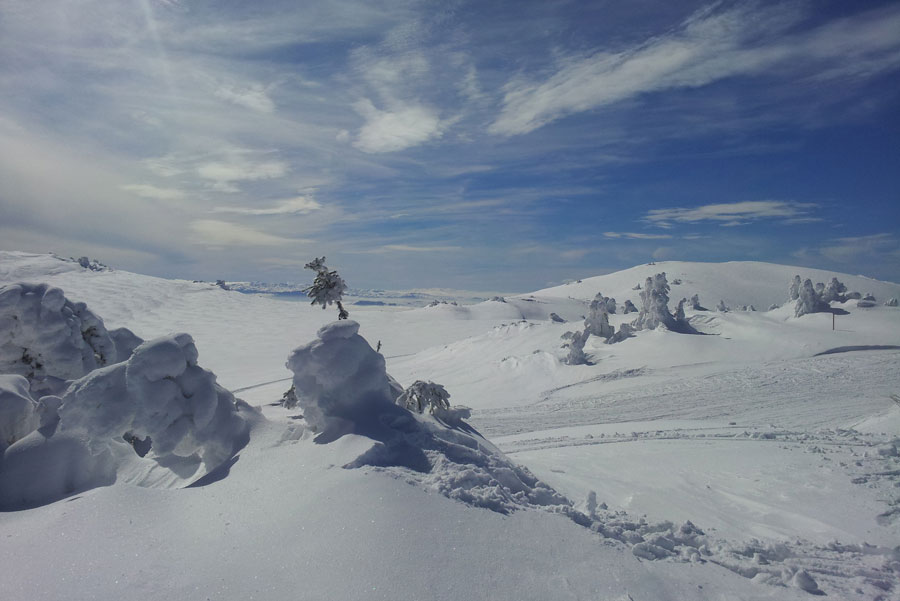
732 214
708 47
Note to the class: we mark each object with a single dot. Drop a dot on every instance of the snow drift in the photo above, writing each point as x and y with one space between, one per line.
343 388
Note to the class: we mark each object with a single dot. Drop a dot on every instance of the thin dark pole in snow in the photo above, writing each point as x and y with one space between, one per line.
832 322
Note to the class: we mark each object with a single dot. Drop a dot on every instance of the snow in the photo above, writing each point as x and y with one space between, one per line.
758 460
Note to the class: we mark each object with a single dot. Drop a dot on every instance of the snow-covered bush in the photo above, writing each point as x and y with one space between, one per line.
891 302
869 297
629 307
44 335
834 291
18 417
327 288
576 354
852 296
557 318
597 321
422 395
611 305
722 307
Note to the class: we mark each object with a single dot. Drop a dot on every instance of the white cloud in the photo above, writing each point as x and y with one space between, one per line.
155 192
636 235
224 174
731 214
253 97
850 248
212 232
409 248
291 206
708 47
393 130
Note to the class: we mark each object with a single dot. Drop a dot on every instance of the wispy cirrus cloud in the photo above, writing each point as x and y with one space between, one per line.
711 45
636 235
291 206
216 233
734 213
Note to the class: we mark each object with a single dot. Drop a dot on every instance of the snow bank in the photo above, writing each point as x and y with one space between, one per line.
343 388
43 335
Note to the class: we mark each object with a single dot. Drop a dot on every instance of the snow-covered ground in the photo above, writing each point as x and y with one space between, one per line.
759 460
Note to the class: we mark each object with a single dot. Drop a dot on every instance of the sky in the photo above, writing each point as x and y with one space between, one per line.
495 145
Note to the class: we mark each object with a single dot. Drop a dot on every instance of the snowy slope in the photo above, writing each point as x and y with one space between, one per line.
773 450
738 283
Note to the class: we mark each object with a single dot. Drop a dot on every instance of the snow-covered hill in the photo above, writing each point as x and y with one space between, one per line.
739 464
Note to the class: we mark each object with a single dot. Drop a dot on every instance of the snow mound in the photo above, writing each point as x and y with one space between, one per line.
343 388
157 419
44 336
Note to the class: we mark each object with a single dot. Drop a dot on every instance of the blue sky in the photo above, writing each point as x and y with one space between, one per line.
479 145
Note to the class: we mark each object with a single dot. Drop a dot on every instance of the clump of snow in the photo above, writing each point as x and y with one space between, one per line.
18 416
158 404
44 335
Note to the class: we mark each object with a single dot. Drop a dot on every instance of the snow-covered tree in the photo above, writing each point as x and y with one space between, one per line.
625 331
891 302
808 300
289 399
834 291
679 311
629 307
327 288
422 395
655 305
722 307
597 321
794 290
610 305
576 354
695 303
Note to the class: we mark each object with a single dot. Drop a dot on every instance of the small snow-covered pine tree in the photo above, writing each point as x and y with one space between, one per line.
422 395
695 303
721 307
327 288
629 307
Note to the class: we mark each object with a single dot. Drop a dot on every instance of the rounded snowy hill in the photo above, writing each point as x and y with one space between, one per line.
737 283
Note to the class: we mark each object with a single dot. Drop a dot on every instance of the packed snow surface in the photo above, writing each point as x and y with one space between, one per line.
756 459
